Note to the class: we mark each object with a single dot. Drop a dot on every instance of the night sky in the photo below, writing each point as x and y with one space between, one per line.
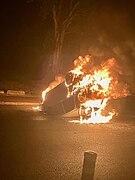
105 29
22 39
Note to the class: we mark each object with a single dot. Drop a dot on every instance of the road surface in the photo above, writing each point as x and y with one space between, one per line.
36 147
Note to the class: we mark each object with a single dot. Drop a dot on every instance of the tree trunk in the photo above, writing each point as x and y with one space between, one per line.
60 27
59 38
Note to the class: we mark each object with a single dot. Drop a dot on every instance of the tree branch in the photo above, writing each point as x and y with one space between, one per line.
67 21
55 18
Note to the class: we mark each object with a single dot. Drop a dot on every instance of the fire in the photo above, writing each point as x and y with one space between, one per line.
94 87
58 79
96 114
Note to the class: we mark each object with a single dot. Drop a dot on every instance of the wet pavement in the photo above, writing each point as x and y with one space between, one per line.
36 147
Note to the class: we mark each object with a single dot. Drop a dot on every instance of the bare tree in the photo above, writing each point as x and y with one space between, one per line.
61 27
62 14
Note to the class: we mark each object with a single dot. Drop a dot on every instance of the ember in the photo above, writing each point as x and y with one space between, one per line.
94 87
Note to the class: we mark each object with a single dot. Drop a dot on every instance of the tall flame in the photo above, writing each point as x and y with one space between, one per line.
94 87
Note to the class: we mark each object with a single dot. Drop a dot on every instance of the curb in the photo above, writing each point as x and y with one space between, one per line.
19 103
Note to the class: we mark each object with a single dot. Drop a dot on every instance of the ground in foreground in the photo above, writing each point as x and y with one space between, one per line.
34 146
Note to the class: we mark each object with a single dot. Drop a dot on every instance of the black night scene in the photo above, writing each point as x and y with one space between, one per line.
67 90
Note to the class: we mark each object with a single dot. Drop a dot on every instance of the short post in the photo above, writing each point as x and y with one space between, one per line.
88 165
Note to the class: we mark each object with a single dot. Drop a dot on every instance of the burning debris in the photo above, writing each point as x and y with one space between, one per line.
93 86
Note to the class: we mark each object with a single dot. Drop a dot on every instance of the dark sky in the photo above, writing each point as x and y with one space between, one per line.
21 39
108 26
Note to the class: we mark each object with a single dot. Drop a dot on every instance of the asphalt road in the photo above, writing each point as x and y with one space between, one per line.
19 100
36 147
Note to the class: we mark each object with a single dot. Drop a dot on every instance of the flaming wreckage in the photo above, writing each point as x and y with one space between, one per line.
86 91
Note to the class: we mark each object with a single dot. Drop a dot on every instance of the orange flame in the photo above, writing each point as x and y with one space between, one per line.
58 79
94 87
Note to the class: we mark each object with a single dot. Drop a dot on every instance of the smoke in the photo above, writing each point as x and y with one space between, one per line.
105 30
110 33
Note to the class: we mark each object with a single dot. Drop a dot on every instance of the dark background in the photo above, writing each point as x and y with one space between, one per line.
105 28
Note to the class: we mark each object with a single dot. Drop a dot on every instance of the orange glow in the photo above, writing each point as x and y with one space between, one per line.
94 87
52 85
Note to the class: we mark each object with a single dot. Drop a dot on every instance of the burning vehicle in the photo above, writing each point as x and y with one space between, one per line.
86 91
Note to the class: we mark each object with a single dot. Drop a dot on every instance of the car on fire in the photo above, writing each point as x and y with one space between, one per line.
86 91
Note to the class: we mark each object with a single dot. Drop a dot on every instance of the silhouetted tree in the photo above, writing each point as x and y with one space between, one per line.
62 13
